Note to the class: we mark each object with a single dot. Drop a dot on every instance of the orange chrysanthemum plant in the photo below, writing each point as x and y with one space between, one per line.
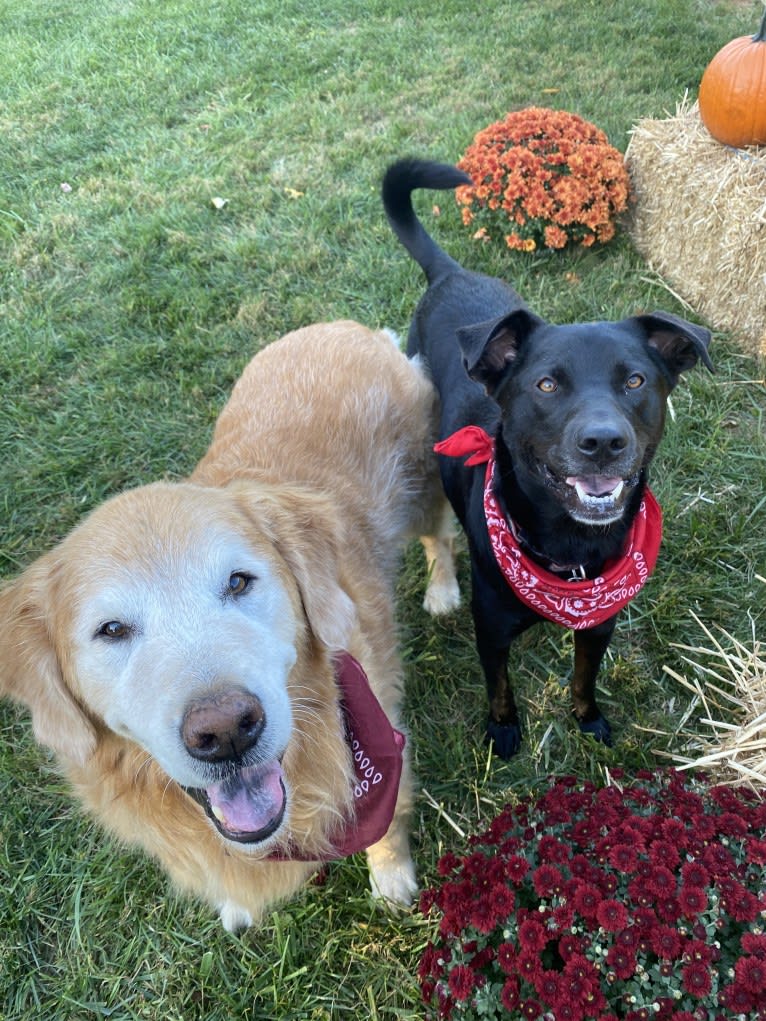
543 179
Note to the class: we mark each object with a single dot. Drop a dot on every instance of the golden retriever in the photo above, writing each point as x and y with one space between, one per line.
179 650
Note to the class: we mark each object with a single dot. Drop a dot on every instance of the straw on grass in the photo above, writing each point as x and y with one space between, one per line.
728 680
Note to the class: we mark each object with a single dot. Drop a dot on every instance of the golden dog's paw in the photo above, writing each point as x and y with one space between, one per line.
394 883
442 597
234 918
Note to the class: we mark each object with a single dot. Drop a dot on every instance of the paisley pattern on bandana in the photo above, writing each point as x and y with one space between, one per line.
376 749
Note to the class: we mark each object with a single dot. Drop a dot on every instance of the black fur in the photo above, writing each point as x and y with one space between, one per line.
488 353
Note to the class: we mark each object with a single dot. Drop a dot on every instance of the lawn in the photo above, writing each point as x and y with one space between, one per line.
181 183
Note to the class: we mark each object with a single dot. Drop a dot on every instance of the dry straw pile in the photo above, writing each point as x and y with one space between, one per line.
699 220
728 680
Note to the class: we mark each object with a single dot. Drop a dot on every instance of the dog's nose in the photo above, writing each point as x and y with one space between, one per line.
603 440
222 726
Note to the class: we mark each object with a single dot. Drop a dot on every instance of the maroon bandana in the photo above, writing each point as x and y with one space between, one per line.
573 604
376 748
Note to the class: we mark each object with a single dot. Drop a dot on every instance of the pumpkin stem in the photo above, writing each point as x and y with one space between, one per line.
760 35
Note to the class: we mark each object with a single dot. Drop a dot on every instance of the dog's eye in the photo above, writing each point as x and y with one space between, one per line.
547 385
635 381
239 583
114 630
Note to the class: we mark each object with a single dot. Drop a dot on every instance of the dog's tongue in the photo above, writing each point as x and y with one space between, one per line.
594 485
251 802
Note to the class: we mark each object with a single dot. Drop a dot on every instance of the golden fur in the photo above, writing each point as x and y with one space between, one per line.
319 469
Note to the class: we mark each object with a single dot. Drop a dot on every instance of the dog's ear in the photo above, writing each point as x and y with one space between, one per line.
305 531
679 343
30 671
489 348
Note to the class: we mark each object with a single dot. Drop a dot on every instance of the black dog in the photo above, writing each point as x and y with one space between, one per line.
561 524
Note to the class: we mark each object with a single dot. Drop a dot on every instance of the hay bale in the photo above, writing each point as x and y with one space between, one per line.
699 220
728 680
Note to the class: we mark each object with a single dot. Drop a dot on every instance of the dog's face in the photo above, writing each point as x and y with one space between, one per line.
583 405
173 616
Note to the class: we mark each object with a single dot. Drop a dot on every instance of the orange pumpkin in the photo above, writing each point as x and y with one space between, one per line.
732 96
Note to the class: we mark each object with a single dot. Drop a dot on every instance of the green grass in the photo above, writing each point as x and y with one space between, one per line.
128 306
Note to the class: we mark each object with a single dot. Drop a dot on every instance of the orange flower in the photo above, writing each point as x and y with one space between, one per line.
551 174
555 237
521 244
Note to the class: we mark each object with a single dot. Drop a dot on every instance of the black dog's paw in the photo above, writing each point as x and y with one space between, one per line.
505 738
598 729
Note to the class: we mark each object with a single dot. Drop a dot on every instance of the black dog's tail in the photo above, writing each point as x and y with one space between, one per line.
400 180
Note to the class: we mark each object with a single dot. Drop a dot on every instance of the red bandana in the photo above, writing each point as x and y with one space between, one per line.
573 604
376 748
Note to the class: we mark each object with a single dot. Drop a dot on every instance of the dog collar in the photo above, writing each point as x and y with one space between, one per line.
572 603
376 749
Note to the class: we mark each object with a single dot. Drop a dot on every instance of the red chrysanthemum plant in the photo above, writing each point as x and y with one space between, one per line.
543 179
633 901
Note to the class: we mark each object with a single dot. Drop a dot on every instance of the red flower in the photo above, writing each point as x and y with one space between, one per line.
737 999
532 936
622 961
668 909
484 916
509 995
612 915
548 986
506 957
504 901
565 1011
580 980
739 902
698 952
750 972
732 824
662 882
665 942
551 850
461 982
547 880
662 852
530 1009
447 864
629 937
516 868
756 851
719 860
696 979
528 966
586 900
674 831
692 900
754 943
694 874
624 857
569 945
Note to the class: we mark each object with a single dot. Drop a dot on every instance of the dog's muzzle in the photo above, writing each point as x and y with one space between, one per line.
247 800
